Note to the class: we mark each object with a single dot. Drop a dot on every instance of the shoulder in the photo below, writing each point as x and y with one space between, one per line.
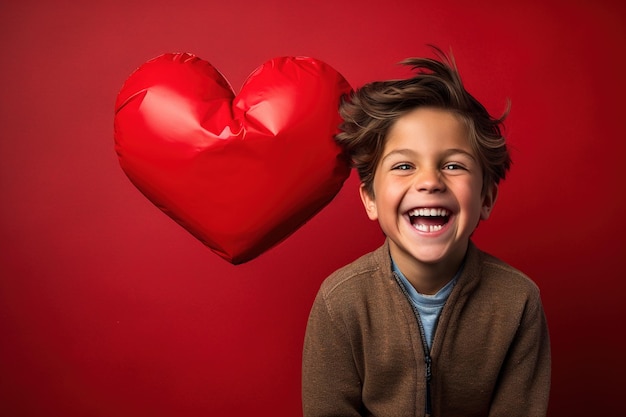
493 288
497 270
503 285
361 293
356 275
367 283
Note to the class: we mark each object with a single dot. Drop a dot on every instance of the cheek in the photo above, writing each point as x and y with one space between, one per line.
471 201
390 194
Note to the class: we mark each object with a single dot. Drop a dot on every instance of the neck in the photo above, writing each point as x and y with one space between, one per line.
427 278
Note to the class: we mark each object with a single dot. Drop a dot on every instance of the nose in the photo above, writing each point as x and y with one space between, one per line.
429 180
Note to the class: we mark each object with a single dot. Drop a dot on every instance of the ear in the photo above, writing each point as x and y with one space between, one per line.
489 200
369 203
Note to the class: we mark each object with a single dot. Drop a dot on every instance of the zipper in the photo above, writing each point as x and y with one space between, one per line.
427 359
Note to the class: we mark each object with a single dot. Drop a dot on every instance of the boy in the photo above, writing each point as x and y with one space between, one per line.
426 325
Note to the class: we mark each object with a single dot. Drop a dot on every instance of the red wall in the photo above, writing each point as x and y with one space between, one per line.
109 308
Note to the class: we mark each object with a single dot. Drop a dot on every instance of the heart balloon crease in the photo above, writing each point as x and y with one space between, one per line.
239 172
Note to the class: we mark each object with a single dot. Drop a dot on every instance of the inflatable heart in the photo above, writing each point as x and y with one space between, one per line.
241 173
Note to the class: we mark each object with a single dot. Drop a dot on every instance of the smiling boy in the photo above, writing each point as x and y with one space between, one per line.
426 325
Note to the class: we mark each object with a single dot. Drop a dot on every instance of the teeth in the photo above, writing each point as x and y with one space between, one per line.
429 212
427 228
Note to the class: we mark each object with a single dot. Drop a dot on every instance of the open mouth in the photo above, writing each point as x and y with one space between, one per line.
429 219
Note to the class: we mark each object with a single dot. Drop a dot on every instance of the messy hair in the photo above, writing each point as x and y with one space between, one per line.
370 111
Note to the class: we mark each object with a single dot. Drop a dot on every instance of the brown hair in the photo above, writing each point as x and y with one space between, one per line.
370 111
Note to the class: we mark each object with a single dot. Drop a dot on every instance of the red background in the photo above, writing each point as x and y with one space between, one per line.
108 308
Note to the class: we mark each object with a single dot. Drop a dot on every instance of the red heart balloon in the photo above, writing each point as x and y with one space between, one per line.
241 173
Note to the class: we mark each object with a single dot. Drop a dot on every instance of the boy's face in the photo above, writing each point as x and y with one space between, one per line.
427 189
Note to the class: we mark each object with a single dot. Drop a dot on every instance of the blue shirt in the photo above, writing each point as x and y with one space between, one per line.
428 306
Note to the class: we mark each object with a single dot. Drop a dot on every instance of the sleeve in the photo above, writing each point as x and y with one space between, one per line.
524 383
330 382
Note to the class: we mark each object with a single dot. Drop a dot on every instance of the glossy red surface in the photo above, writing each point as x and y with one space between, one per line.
239 172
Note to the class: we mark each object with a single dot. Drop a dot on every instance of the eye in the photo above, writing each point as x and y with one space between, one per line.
402 167
453 166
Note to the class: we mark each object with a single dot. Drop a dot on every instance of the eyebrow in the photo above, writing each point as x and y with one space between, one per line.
407 152
410 152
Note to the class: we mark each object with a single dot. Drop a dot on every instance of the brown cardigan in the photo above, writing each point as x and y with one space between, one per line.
363 354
